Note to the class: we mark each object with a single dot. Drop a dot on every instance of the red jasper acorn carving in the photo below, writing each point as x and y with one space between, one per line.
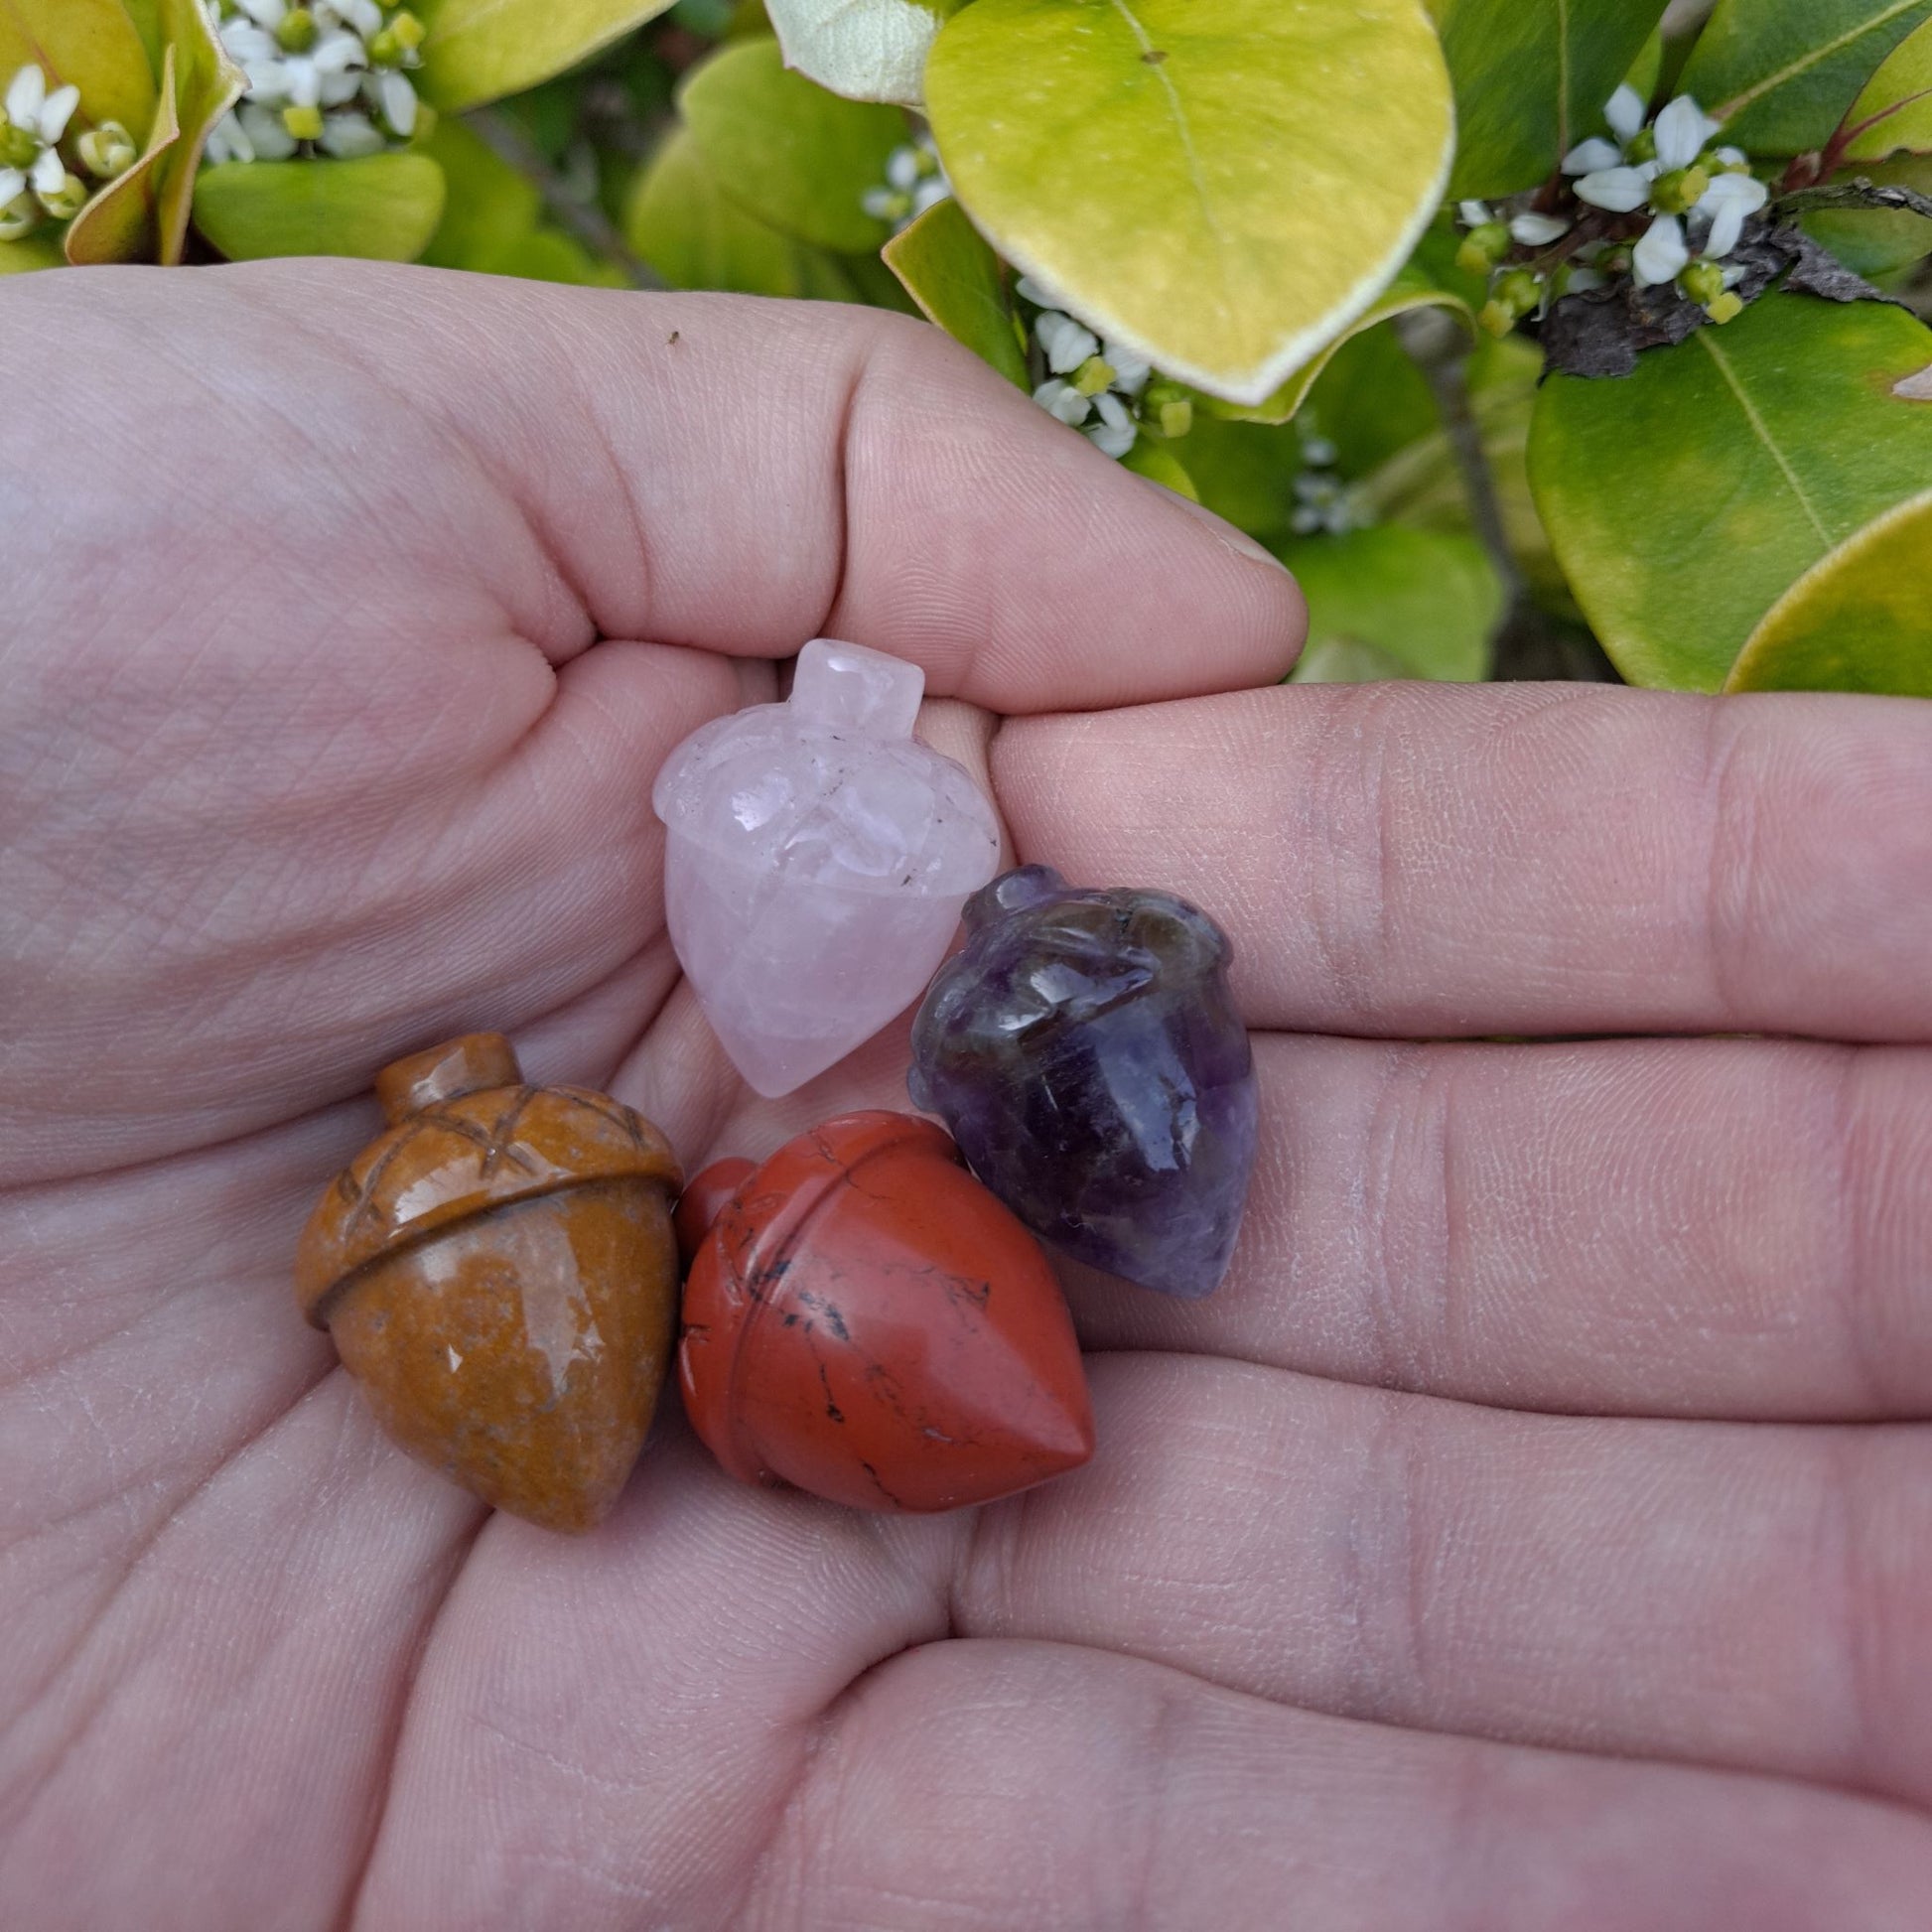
864 1320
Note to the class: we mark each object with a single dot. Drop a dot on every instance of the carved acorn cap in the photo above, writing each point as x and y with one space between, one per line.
468 1132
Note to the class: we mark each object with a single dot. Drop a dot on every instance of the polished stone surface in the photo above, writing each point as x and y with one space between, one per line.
1085 1051
864 1321
818 858
498 1272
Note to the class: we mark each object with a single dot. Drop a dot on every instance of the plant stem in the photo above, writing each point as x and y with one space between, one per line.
584 219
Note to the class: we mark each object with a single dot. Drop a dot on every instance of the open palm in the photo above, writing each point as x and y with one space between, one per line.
1536 1531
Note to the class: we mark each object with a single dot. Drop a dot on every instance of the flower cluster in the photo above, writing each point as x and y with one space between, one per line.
1323 503
1690 197
329 76
35 183
1094 388
914 182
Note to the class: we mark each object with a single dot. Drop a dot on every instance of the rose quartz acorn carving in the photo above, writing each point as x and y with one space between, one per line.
819 856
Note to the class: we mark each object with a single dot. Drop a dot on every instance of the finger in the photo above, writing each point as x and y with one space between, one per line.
1436 859
982 1786
1748 1596
1701 1228
741 475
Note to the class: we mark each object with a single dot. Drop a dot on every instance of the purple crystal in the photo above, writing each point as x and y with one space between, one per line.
1085 1052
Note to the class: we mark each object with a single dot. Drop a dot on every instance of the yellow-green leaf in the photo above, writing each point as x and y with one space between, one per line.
1859 619
206 84
1223 185
1780 73
866 49
796 157
92 45
489 207
382 207
1895 109
696 237
958 283
1429 601
1531 81
119 224
1412 289
481 50
1686 500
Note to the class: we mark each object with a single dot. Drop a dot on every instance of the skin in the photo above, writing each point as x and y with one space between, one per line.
1534 1533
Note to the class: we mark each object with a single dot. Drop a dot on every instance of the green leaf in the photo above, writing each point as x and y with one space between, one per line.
206 84
1429 603
796 157
1412 289
1878 242
1686 500
1346 660
1859 619
119 225
1244 472
488 205
1780 73
866 49
958 283
1223 185
1531 81
383 207
696 237
1371 401
481 50
92 45
1895 109
1647 70
35 251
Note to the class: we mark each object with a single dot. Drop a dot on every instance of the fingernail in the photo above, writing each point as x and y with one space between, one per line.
1239 541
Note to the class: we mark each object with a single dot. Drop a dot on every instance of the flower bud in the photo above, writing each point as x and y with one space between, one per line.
1679 192
1643 146
19 146
1702 282
409 32
296 32
21 216
107 150
1482 248
67 201
1178 418
1519 291
1496 318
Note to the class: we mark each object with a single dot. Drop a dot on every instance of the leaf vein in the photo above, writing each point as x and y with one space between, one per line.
1762 431
1811 58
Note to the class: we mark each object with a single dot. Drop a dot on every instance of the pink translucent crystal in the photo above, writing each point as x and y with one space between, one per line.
818 858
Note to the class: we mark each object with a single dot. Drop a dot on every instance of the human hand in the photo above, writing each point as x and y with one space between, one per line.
1532 1533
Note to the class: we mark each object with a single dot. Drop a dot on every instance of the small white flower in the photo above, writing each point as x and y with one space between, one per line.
1318 452
1114 434
1130 371
1729 201
26 95
1591 157
902 168
267 138
1624 112
1063 402
1538 231
930 192
365 16
49 174
881 203
226 142
1734 157
398 103
348 137
57 111
13 184
264 13
1683 132
1661 256
1476 214
1066 343
249 45
1620 190
1038 293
